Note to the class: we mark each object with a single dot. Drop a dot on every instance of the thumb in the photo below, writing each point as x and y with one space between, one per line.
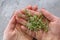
11 24
48 15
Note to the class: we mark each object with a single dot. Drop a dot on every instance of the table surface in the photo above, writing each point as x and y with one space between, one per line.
7 7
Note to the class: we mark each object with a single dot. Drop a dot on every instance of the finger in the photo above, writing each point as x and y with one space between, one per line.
18 27
11 24
33 12
35 8
27 31
29 7
24 28
20 11
39 34
29 11
48 15
21 21
21 15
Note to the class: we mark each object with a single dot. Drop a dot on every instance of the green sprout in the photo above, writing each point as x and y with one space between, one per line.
35 22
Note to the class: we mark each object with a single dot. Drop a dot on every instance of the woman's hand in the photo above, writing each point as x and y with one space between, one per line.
13 31
10 31
53 30
54 26
22 20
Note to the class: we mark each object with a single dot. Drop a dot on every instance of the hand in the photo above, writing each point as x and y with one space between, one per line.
21 20
13 32
54 27
10 32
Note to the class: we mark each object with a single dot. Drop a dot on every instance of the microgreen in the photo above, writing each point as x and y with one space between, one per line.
35 22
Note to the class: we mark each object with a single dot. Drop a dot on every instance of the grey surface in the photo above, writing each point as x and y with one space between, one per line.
7 7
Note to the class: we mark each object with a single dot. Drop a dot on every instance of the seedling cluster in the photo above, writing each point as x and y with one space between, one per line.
35 22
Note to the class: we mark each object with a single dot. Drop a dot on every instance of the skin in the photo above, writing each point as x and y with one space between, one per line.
54 26
53 33
11 31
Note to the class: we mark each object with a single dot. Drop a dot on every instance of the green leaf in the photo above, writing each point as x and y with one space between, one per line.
35 23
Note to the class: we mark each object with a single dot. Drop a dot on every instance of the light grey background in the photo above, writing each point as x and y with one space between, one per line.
7 7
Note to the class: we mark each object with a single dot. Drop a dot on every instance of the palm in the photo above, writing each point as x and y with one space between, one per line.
10 31
53 29
21 35
13 32
54 26
16 31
